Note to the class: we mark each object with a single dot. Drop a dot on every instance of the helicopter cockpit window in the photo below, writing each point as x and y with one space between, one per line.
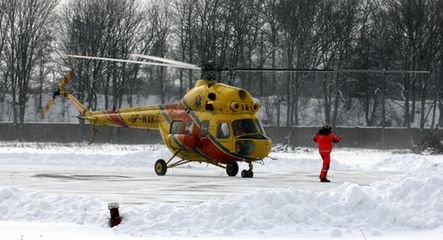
244 126
260 126
204 128
188 127
176 127
223 130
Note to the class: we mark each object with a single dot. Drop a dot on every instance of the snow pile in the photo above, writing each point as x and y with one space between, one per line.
16 205
410 163
410 203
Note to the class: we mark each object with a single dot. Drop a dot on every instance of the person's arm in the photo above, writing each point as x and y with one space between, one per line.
335 139
315 138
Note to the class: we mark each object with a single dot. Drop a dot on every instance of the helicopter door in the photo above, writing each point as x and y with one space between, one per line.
204 128
189 139
224 134
175 130
188 130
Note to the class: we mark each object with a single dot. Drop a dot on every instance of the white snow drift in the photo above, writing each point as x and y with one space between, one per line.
406 202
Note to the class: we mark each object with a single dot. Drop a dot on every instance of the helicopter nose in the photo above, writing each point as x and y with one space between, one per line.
257 148
263 148
268 147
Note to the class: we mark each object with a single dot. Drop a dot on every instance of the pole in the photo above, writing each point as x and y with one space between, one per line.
383 120
440 90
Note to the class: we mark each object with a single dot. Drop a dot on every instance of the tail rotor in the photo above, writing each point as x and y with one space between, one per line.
60 91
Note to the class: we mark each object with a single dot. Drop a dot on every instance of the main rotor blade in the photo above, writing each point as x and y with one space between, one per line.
328 70
382 71
165 60
128 61
279 70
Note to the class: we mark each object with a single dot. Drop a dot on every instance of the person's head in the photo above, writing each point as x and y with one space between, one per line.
325 129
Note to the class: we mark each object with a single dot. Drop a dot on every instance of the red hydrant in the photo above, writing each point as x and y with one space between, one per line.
115 215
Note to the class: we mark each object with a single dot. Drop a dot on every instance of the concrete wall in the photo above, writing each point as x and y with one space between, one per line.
377 138
389 138
40 132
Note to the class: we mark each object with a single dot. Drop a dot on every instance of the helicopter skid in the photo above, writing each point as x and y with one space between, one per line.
183 161
244 174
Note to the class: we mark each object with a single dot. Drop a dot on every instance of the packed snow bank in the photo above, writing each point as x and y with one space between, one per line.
16 205
408 203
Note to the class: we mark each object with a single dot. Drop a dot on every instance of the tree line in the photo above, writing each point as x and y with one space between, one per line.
312 34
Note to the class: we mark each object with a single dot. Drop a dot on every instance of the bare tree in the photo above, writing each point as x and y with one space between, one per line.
409 21
298 21
184 23
3 35
440 83
110 28
28 28
83 31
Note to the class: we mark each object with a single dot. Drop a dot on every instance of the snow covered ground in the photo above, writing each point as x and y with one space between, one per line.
54 191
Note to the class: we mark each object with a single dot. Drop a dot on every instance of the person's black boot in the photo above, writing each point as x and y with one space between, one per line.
324 180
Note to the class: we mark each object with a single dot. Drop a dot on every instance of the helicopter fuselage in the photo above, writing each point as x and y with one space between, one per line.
213 122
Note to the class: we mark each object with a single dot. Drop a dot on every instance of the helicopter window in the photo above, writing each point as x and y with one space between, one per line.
260 126
188 127
212 96
223 130
209 107
204 128
244 126
176 127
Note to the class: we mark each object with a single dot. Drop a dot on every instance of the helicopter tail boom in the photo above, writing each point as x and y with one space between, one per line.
82 108
134 117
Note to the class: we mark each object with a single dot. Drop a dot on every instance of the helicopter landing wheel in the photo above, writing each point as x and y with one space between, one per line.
232 168
247 174
160 167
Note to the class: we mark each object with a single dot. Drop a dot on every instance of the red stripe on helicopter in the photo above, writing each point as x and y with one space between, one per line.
115 117
211 149
206 146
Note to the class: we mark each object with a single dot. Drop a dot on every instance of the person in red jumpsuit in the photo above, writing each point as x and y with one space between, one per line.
325 139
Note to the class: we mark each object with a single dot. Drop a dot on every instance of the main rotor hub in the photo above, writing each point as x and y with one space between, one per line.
210 71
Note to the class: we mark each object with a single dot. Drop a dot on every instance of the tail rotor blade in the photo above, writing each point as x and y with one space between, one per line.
66 80
48 106
60 91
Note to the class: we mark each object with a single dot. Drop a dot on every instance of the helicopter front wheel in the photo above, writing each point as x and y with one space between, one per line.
248 173
160 167
232 168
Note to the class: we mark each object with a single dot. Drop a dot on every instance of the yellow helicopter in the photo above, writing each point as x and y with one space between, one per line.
213 123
